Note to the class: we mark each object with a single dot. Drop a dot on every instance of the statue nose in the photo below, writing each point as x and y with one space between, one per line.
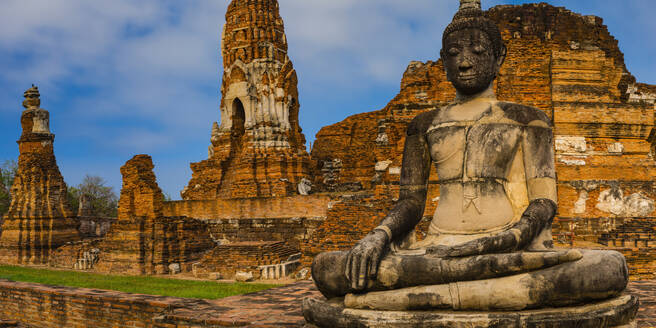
465 64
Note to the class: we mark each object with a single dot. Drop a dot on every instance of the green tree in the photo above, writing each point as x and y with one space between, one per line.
103 199
7 173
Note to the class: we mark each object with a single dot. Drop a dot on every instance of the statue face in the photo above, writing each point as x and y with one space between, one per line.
469 60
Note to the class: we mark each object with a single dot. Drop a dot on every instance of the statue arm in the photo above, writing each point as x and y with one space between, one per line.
539 167
409 209
363 260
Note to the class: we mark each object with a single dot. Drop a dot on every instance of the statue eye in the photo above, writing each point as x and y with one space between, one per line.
478 50
454 51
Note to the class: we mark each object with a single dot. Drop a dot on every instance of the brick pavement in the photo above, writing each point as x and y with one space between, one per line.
277 307
646 290
281 307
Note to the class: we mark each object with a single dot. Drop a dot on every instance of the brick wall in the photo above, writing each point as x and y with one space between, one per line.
41 306
274 207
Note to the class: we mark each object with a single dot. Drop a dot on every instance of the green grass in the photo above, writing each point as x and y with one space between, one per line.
131 284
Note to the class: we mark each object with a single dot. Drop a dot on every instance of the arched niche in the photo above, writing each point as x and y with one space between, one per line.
238 117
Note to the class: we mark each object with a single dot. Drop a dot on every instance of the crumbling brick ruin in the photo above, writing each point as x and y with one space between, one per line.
246 207
143 240
39 219
258 150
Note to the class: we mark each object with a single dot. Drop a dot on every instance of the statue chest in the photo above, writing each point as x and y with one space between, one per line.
465 151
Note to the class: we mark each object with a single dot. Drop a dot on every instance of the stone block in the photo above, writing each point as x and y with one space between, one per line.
242 276
619 312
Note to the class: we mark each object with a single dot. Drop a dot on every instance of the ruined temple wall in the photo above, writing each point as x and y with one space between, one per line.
570 67
278 207
291 219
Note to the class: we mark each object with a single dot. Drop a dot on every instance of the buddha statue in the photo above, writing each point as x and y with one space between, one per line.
489 245
37 120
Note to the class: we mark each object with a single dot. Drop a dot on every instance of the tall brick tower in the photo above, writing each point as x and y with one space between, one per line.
258 150
39 218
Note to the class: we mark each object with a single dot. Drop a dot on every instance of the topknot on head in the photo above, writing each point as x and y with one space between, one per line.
470 15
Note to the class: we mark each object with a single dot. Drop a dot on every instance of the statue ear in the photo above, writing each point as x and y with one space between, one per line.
442 56
502 56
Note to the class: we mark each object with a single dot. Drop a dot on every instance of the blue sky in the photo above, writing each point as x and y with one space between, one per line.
127 77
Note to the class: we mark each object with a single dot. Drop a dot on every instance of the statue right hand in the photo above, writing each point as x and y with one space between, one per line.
363 260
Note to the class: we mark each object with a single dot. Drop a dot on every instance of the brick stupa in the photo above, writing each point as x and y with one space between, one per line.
258 149
39 219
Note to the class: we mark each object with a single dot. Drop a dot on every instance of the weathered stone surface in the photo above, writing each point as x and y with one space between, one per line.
563 63
242 276
258 150
174 268
39 218
617 312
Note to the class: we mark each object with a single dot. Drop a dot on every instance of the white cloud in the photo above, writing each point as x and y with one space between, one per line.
143 76
365 39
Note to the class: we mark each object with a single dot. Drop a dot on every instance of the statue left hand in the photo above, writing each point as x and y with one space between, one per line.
363 260
500 243
538 216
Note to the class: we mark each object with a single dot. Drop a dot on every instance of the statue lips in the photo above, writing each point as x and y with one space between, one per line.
467 77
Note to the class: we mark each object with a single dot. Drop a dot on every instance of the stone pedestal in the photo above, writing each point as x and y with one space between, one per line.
616 312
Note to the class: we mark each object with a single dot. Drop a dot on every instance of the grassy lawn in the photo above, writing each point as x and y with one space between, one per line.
129 284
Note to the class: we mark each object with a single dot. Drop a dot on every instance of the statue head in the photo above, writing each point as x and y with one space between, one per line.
32 99
472 49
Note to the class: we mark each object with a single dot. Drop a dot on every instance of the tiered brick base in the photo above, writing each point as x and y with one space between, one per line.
31 240
249 256
617 312
636 240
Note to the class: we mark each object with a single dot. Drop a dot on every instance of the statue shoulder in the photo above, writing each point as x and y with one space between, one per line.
525 115
421 122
